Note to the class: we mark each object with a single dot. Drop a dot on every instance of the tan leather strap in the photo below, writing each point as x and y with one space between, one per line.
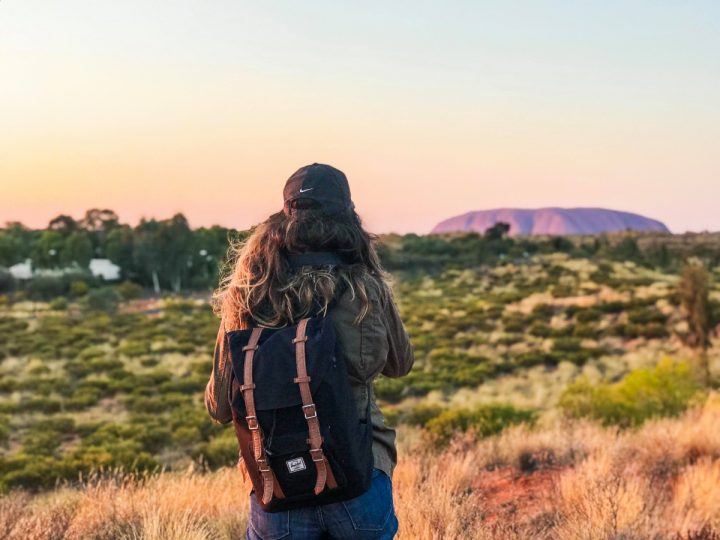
315 438
247 388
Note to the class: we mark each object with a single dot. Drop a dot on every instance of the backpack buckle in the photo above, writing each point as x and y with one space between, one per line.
314 411
261 462
247 348
321 456
252 422
301 339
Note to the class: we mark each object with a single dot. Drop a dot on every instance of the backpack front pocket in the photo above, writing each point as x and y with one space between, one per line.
291 461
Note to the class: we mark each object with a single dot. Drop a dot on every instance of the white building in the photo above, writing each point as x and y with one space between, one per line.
105 269
22 270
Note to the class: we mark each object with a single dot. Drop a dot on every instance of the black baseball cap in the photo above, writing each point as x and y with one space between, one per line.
318 182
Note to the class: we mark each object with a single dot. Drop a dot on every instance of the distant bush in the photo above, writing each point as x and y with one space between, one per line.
514 323
7 281
103 299
588 315
83 398
155 404
666 390
563 290
584 330
644 315
389 389
4 428
59 304
134 348
540 329
42 404
221 451
570 349
129 290
653 330
612 307
420 415
484 421
535 358
79 288
46 287
544 311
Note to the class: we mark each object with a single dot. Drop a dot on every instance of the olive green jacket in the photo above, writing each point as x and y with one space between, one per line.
377 345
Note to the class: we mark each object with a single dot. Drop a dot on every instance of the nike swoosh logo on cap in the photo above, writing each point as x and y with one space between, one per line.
304 190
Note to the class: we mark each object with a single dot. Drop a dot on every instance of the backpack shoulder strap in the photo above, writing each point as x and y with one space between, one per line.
324 471
270 484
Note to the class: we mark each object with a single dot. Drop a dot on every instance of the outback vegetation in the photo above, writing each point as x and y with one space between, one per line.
563 387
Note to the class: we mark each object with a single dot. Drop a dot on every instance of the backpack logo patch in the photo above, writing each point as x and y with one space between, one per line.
295 465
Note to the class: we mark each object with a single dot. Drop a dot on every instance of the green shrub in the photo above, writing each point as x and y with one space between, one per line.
83 398
389 389
59 304
92 352
514 323
510 339
46 287
221 451
103 299
4 429
390 416
129 290
41 442
563 291
484 421
133 348
540 329
33 471
666 390
543 311
567 345
7 282
588 315
420 415
155 404
654 330
79 288
612 307
646 315
584 330
43 404
9 407
535 358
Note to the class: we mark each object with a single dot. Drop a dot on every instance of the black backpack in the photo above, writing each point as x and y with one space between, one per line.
295 416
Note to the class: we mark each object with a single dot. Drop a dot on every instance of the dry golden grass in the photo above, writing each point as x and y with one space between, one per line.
562 480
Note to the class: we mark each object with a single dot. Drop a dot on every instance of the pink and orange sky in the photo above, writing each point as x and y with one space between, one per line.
432 109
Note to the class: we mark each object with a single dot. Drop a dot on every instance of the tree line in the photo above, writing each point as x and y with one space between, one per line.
167 254
161 254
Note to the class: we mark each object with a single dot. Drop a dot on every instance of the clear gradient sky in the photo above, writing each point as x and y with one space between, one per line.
432 109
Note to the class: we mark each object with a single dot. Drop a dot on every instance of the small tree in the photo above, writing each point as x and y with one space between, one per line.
694 292
497 231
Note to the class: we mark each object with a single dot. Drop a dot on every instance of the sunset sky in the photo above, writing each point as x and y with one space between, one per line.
432 109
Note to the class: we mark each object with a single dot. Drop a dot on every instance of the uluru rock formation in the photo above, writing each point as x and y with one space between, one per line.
551 221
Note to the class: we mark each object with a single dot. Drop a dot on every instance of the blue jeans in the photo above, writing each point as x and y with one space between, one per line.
371 515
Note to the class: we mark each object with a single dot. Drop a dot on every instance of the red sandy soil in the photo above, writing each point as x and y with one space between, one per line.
506 494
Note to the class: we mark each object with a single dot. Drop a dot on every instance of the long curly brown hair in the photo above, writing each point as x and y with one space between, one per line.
261 288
